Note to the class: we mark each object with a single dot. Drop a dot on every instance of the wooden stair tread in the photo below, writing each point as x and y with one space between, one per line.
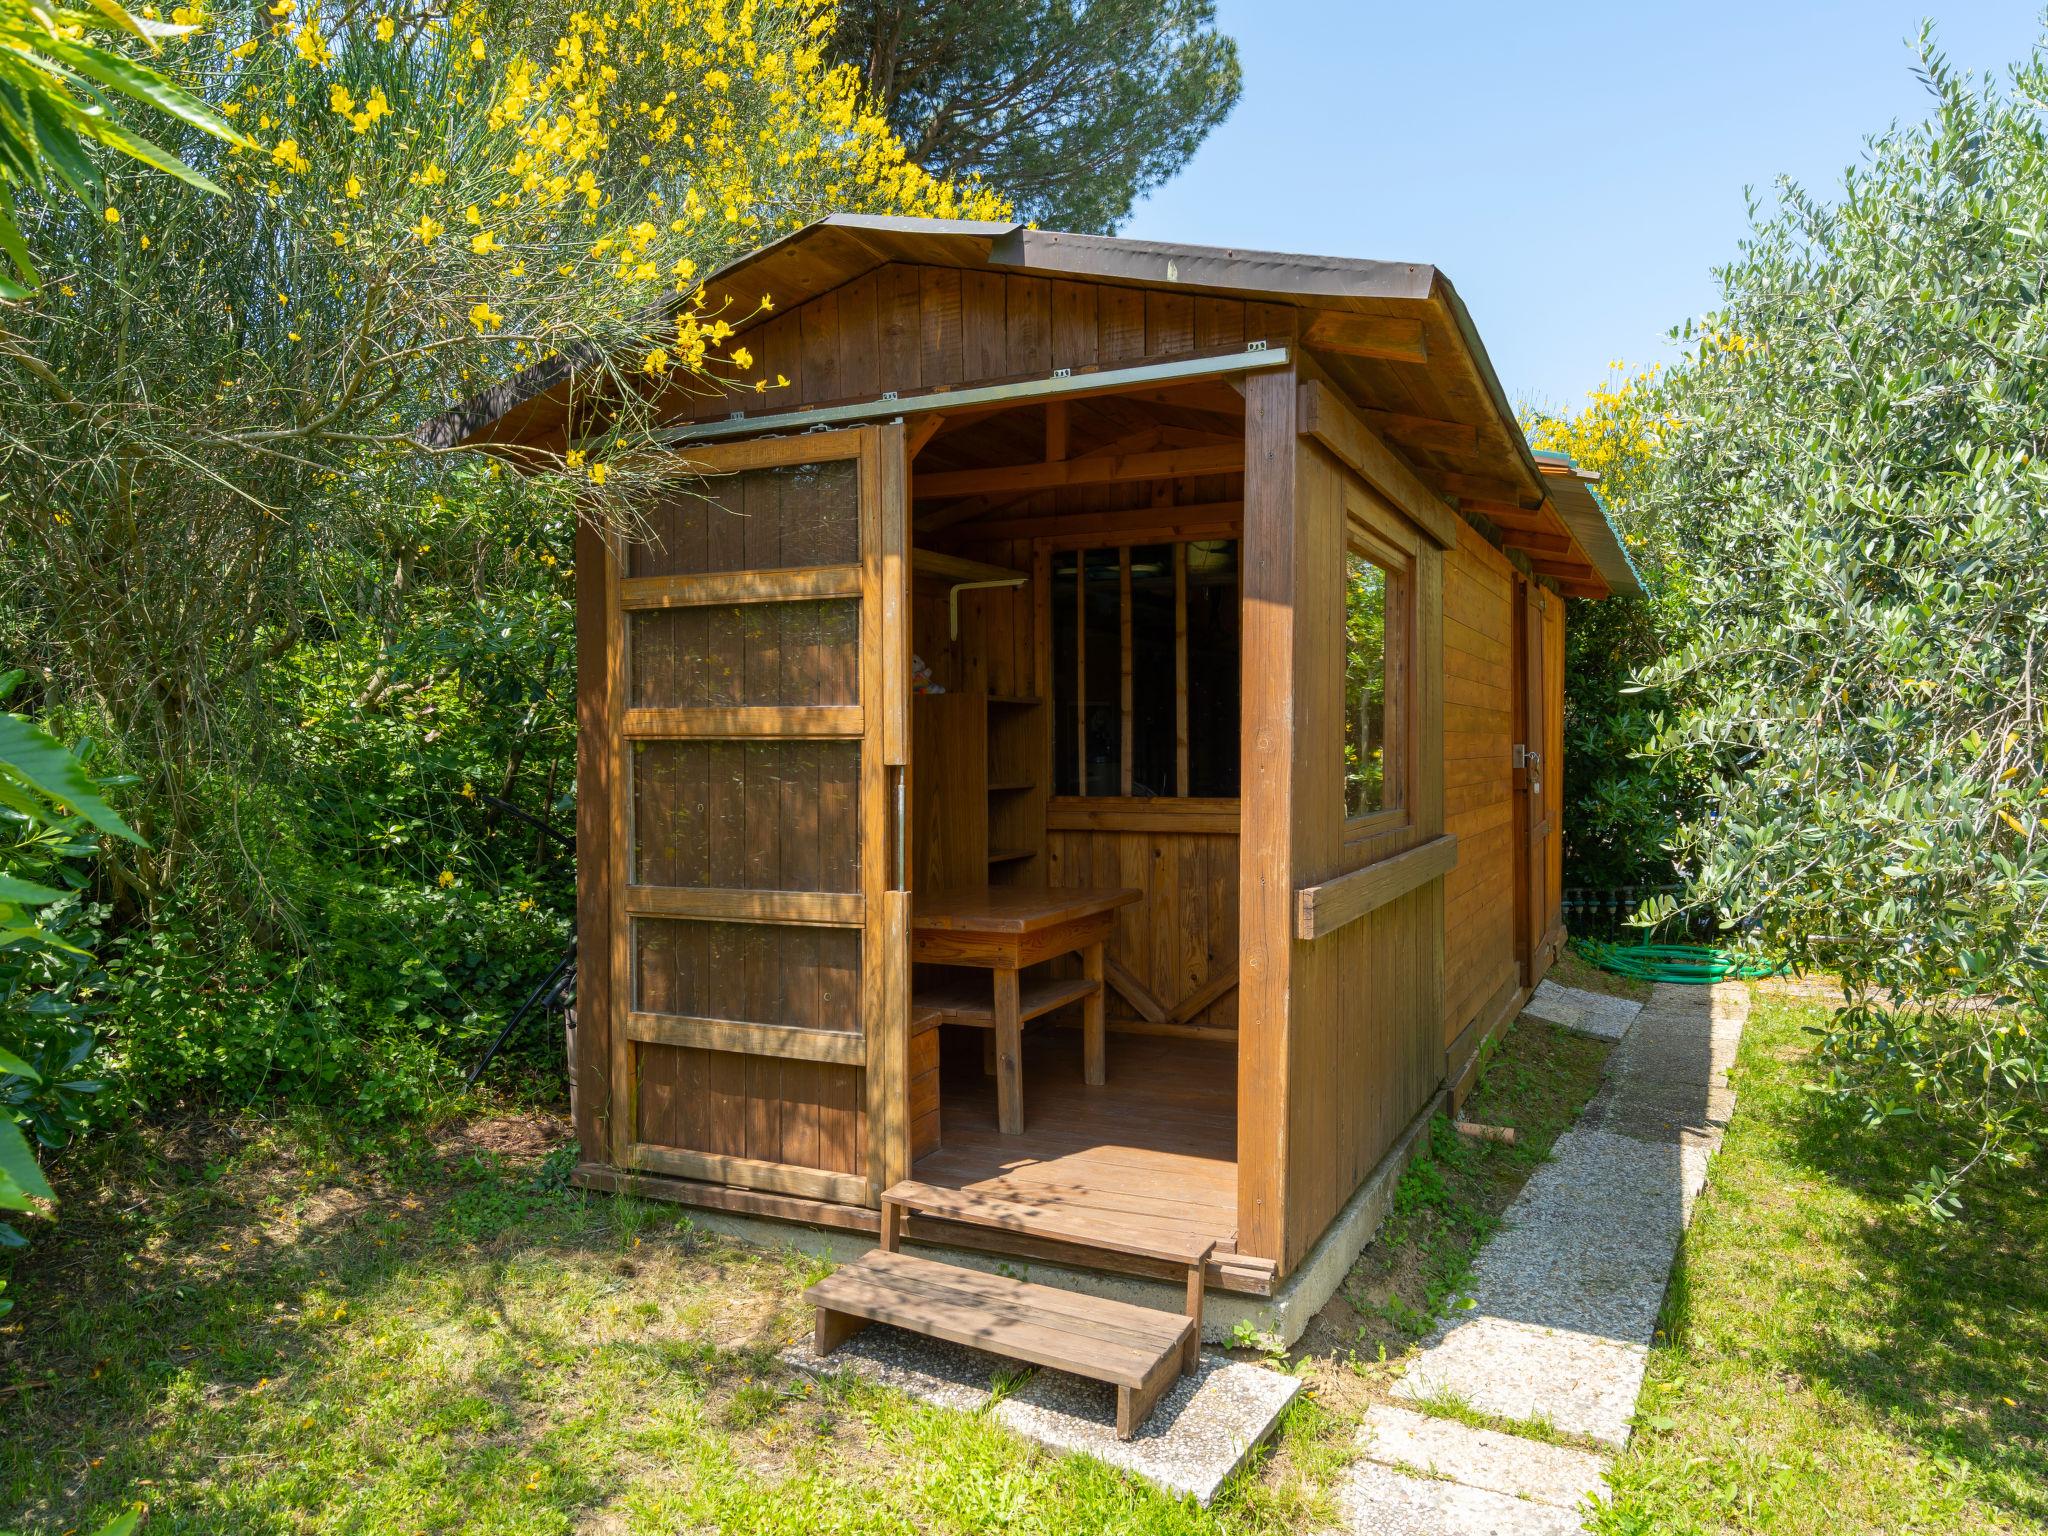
971 1000
1057 1222
1104 1340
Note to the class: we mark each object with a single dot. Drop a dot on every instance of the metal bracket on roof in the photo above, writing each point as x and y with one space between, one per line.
953 597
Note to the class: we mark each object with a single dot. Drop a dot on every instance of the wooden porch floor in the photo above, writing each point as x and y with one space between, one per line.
1153 1151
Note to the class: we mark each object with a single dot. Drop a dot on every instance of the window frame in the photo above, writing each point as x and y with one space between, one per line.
1373 529
1048 551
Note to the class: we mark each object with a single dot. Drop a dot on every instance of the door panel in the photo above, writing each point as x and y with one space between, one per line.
759 966
1533 768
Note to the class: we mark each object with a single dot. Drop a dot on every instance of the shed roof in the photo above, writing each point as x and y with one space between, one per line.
1394 335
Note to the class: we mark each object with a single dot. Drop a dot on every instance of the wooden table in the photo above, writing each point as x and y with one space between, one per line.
1002 929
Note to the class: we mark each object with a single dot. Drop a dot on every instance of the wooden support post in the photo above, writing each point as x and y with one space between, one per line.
1094 1056
832 1329
1197 1271
892 1225
1009 1036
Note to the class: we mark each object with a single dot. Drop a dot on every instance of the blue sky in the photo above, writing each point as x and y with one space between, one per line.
1576 168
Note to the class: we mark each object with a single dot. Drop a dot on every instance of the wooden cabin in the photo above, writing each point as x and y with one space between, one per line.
1084 752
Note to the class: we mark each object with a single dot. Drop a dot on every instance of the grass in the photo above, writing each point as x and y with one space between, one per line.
275 1327
262 1326
1833 1361
282 1326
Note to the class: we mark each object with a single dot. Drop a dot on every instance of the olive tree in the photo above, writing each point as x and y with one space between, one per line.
1850 466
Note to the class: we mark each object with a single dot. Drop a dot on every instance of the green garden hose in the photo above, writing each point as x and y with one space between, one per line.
1688 964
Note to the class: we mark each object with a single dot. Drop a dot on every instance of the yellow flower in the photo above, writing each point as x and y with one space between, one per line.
339 99
113 215
483 317
742 358
145 242
575 458
445 879
428 229
294 335
476 47
386 29
473 214
597 474
656 361
468 790
312 47
353 187
287 155
282 8
484 243
245 49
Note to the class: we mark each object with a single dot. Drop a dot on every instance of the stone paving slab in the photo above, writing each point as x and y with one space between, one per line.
1575 1382
1378 1501
1558 1475
1203 1428
1206 1424
1588 1243
1585 1013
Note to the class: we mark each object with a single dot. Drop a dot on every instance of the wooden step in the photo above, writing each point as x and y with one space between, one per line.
1094 1230
1134 1349
971 999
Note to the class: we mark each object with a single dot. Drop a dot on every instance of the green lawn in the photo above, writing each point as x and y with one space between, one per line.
287 1327
1836 1363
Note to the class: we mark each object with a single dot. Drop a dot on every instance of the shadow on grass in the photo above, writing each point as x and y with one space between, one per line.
201 1307
1944 1329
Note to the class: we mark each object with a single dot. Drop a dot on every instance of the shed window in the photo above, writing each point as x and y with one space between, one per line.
1377 617
1145 670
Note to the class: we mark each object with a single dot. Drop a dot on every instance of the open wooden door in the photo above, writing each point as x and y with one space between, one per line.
1534 822
760 964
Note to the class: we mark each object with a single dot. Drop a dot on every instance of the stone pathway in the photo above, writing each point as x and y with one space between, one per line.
1204 1427
1563 1301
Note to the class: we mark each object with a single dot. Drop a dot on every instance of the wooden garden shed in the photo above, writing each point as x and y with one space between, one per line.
1083 753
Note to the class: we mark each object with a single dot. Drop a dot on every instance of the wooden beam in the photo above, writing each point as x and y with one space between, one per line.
930 562
749 1173
1328 418
1508 514
1324 908
1138 525
722 588
1208 992
1133 991
1163 814
1424 431
723 722
842 1047
818 909
1110 469
1483 488
1390 338
919 433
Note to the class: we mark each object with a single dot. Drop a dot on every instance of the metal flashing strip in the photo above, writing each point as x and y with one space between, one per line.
1061 384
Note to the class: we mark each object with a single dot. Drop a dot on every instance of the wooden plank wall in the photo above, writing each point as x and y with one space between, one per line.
906 327
1341 1037
1181 933
1479 723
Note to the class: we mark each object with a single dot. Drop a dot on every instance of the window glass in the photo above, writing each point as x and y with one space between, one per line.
1153 694
1368 758
1215 649
1101 636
